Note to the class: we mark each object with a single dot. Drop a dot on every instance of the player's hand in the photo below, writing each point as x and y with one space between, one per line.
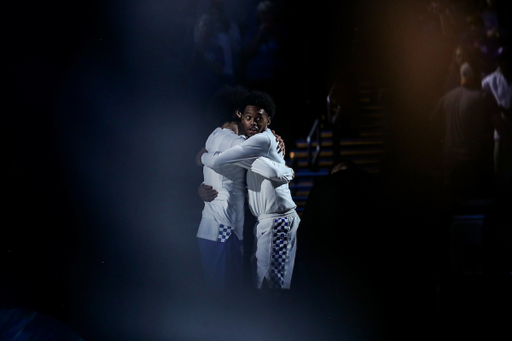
198 156
293 176
280 143
207 193
231 125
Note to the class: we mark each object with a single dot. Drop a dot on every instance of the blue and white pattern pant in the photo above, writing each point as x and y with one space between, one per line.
276 244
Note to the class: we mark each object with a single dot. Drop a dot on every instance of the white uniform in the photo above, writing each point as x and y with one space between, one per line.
270 201
221 252
227 210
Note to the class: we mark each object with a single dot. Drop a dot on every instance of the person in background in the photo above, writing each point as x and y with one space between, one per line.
462 54
499 84
228 36
263 49
205 71
466 117
486 47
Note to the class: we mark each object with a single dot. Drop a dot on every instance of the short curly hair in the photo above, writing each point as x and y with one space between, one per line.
225 102
261 100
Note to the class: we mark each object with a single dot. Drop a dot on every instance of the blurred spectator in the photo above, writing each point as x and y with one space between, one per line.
498 83
252 21
490 18
205 70
486 46
474 33
228 36
503 10
462 54
439 17
263 48
466 115
235 10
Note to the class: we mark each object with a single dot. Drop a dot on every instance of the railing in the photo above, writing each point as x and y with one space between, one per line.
330 117
336 110
314 157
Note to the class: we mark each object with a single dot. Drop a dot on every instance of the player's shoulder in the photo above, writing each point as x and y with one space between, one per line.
228 134
235 139
225 138
261 140
220 133
221 137
264 135
215 133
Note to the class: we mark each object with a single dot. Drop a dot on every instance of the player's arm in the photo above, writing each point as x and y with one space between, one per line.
281 148
280 143
243 154
272 170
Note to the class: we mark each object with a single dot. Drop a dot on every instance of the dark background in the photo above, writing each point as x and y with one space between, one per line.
100 204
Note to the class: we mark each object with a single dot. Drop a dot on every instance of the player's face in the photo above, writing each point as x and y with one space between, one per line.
254 120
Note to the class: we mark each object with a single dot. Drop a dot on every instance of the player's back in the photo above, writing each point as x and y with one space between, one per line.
229 182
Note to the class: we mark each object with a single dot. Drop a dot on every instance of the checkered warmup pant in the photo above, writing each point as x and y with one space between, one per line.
224 233
275 249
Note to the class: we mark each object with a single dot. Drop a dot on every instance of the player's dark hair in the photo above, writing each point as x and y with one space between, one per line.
260 100
225 102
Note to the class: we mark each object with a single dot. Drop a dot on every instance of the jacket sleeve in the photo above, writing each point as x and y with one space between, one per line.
243 154
272 170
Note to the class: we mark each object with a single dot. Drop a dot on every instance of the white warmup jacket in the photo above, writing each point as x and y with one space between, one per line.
267 187
270 201
228 207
